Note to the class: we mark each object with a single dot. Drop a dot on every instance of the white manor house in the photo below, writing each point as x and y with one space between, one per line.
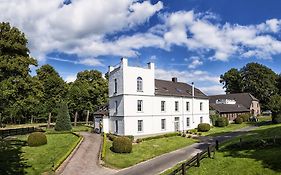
141 105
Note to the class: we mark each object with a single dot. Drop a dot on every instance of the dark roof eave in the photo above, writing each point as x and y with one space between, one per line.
176 95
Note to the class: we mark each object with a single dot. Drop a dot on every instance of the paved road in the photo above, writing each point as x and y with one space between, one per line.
163 162
85 160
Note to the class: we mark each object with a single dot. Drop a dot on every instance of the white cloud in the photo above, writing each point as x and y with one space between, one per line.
195 62
84 61
70 78
212 90
50 25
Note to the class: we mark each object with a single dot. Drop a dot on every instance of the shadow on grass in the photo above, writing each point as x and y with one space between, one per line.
11 161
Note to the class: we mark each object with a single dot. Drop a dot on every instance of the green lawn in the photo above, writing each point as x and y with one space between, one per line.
40 159
145 150
215 131
265 160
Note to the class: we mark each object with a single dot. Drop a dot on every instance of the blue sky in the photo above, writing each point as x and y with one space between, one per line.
194 40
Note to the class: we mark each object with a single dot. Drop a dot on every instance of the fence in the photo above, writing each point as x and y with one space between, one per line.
17 131
195 160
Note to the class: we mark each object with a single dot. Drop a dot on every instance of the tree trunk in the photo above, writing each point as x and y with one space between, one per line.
75 118
87 117
49 120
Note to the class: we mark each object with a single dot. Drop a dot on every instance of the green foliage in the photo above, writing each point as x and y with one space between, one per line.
254 78
111 137
232 81
203 127
238 120
245 117
36 139
103 147
63 122
222 122
276 118
172 134
122 145
213 118
275 104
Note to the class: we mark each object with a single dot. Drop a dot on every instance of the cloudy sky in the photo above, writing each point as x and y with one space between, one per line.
194 40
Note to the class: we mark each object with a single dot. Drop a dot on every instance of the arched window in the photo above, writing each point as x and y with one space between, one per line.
139 84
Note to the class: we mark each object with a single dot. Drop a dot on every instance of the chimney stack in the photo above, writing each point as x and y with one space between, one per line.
192 89
174 79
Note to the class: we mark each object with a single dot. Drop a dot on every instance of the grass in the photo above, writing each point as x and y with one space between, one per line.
252 161
215 131
78 128
41 159
145 150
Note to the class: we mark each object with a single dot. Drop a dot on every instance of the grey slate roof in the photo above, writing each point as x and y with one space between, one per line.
103 110
241 98
179 89
229 108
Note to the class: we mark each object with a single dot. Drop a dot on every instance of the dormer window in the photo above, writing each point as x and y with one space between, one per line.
139 84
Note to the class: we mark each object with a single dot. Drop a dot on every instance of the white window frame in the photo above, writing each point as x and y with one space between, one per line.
188 122
141 105
140 125
187 107
139 84
163 124
177 106
201 106
163 106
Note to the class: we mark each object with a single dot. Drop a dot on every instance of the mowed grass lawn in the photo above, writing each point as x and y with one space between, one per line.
145 150
40 159
215 131
251 161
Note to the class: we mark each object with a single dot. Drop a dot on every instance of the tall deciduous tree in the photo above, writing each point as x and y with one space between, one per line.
54 89
15 90
232 81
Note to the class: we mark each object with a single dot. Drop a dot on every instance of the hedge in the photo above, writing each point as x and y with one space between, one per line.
36 139
103 147
276 118
222 122
122 145
203 127
238 120
245 117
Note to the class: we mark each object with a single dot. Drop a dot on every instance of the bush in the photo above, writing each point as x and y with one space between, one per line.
36 139
203 127
130 137
103 147
162 136
214 118
183 135
63 122
222 122
122 145
238 120
276 118
139 140
245 117
111 137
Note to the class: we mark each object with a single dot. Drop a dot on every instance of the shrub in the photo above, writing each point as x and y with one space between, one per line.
131 137
189 136
103 147
214 118
111 136
276 118
238 120
183 135
245 117
139 140
63 122
222 122
200 133
203 127
36 139
122 145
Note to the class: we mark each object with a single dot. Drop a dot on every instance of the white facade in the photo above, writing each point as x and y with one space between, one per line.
126 117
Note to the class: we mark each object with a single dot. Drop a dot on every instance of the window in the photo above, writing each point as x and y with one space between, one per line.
116 126
187 106
201 106
201 119
162 105
176 106
163 124
139 84
116 107
187 122
115 85
139 105
140 125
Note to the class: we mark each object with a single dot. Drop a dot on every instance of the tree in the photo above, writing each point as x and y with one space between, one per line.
15 90
54 89
87 92
63 122
260 81
232 81
279 83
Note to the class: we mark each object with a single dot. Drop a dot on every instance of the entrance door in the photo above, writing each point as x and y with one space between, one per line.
177 123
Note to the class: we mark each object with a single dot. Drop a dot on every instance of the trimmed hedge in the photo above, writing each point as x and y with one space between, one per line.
276 118
122 145
103 147
63 122
245 117
159 136
238 120
203 127
36 139
111 137
222 122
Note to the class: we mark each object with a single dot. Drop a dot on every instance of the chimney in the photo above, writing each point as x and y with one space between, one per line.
150 65
110 69
124 62
174 79
192 89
